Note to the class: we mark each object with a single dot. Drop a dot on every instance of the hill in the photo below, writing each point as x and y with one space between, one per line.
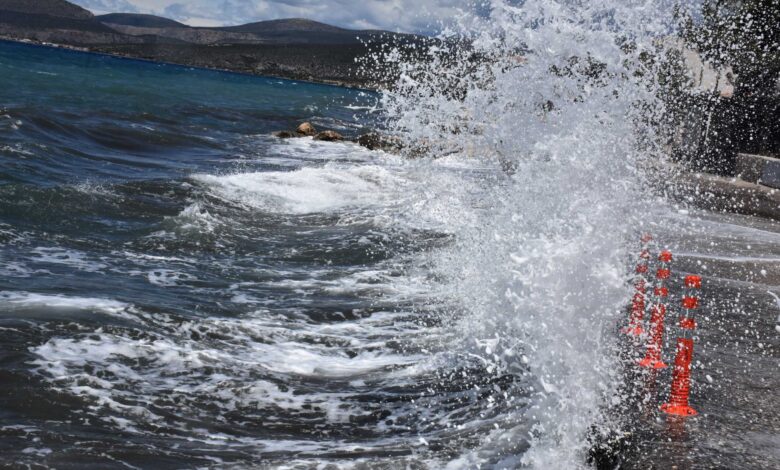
56 8
303 31
55 21
290 25
36 24
139 20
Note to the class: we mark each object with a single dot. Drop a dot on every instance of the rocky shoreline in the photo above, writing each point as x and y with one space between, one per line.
329 74
370 140
328 65
293 48
740 194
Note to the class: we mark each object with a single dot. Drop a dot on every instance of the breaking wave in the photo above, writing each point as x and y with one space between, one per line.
556 95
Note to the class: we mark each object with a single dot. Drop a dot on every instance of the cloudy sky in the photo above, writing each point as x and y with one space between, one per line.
419 16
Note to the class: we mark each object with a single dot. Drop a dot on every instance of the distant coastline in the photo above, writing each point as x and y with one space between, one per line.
293 48
87 50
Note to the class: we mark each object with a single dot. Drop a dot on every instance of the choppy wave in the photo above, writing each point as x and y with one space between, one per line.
20 302
307 190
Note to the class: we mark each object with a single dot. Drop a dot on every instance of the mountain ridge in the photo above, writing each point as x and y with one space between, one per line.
140 20
287 24
55 8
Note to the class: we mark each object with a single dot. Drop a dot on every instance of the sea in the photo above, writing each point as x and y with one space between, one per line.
179 288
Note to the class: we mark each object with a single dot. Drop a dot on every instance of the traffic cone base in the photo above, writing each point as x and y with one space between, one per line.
652 363
633 330
678 410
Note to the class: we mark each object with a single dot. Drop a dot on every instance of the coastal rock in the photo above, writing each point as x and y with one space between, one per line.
329 136
306 129
375 141
285 134
371 141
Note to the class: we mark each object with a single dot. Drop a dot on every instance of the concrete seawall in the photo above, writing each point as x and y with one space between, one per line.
755 190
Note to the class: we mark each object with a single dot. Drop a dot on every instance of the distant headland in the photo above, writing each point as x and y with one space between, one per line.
293 48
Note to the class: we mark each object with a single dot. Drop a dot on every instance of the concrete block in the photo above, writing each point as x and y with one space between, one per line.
749 167
771 174
758 169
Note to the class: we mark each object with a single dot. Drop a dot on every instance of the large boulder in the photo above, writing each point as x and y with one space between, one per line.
329 136
306 129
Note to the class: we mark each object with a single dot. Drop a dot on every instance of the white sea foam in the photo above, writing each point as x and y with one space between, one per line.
224 373
147 258
68 257
17 149
168 277
15 301
195 218
308 190
364 283
17 269
305 149
96 189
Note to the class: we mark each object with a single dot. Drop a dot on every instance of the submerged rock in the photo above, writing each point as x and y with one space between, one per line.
329 136
370 140
306 129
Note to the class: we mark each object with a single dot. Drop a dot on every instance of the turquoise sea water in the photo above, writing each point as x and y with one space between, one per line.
108 118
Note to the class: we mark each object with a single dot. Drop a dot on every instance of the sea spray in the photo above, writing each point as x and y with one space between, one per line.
559 95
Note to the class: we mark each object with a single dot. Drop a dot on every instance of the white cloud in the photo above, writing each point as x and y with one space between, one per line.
394 15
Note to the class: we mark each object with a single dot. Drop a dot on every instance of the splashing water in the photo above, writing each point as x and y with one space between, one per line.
550 92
